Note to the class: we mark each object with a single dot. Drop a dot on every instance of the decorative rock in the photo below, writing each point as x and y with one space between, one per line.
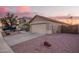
47 44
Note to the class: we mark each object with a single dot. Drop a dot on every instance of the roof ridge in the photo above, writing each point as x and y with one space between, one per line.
49 19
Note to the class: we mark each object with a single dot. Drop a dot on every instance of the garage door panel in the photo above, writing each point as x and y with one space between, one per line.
39 28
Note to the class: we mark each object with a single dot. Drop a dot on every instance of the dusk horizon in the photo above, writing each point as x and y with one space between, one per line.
49 11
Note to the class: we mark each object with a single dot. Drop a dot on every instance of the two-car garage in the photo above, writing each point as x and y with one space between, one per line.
39 28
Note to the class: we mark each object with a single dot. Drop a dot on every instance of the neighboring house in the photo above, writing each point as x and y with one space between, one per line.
44 25
22 22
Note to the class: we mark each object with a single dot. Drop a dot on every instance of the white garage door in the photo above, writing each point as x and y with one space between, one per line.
39 28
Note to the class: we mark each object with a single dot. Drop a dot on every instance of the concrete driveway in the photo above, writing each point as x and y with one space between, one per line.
21 37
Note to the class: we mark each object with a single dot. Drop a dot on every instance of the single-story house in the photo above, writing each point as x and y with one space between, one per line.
45 25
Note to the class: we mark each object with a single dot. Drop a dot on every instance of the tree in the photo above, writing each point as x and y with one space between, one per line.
23 24
9 21
11 18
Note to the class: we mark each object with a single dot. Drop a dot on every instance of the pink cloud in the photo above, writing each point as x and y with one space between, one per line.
4 9
22 9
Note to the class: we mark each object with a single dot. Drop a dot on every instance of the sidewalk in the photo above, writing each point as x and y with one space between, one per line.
4 48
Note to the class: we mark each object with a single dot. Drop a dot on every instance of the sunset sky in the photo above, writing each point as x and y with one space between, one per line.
43 10
49 11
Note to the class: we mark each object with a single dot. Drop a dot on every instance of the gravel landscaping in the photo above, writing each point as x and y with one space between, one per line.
54 43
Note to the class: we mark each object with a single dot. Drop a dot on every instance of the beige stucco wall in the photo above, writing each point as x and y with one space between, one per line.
55 27
38 20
